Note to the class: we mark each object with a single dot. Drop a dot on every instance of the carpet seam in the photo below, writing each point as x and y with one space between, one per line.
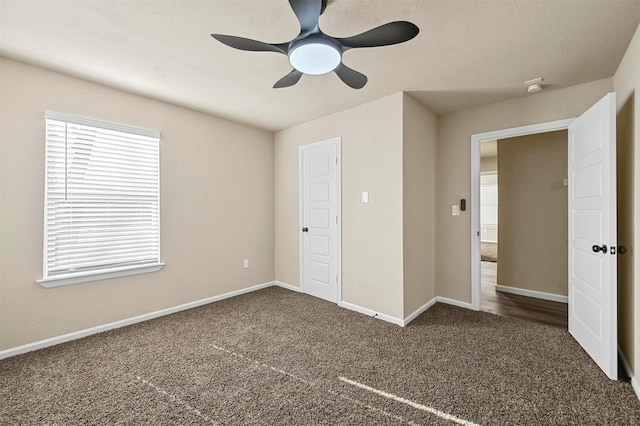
179 401
316 385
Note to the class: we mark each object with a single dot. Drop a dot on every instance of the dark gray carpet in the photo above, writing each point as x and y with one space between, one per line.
274 357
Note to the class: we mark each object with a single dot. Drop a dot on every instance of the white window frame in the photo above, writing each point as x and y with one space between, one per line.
98 273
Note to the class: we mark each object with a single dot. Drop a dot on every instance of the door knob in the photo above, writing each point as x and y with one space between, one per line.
305 229
597 248
622 249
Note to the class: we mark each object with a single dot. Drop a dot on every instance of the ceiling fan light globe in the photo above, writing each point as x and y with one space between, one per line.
315 57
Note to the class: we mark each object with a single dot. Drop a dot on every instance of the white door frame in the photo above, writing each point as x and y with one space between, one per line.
338 141
476 140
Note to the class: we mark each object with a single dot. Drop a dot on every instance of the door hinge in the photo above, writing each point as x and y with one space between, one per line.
336 279
336 219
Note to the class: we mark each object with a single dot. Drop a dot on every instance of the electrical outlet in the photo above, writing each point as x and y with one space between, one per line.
246 264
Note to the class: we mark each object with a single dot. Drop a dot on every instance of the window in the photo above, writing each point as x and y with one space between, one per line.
102 201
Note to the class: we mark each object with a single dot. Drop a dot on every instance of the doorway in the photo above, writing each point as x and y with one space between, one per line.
476 141
524 236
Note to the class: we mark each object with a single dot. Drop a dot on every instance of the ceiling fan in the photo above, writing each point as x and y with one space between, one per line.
314 52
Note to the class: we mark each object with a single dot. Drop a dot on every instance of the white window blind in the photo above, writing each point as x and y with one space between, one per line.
102 198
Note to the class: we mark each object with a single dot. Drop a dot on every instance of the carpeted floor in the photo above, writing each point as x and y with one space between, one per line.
275 357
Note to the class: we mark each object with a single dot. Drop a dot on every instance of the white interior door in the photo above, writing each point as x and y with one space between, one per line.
319 219
592 234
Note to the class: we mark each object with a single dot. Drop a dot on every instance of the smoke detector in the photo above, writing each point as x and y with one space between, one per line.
534 85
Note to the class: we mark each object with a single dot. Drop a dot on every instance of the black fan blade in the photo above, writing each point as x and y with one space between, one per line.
288 80
384 35
351 78
249 44
308 13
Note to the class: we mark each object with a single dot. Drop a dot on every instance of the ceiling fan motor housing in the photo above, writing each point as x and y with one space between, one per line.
315 54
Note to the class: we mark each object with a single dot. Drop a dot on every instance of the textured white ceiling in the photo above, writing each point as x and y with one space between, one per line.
468 52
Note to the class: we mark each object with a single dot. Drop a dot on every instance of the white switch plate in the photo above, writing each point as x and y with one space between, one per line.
455 210
365 196
246 264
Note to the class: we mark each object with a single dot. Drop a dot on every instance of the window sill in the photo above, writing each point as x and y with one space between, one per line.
69 279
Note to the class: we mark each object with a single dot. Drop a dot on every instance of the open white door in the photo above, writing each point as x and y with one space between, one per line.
319 214
592 234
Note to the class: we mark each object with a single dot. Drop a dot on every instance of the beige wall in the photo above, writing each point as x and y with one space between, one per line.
419 178
532 213
372 250
453 182
388 149
216 207
488 164
627 86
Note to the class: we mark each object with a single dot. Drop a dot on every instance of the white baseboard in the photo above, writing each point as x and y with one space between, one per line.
454 302
627 368
430 303
145 317
418 311
122 323
407 320
533 293
287 286
371 313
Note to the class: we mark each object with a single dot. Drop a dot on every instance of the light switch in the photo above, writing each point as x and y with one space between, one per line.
365 196
455 210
